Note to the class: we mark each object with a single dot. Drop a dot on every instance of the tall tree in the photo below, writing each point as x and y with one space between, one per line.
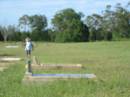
122 21
24 22
38 22
1 37
94 24
4 32
38 25
7 31
108 24
68 26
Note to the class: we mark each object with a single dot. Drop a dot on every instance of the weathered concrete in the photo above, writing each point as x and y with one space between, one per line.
53 77
12 46
30 77
9 59
56 66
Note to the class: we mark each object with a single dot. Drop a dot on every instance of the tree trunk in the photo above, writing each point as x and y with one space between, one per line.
5 38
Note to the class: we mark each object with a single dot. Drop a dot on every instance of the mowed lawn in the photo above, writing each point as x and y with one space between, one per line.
110 61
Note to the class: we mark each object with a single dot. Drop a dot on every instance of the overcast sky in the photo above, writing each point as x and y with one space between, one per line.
11 10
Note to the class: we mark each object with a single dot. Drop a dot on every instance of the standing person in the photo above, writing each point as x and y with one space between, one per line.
28 47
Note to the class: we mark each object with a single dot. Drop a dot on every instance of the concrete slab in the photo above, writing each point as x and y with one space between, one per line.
12 46
10 59
63 75
53 77
56 66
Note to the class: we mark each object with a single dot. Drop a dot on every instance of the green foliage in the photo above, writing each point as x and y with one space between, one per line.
7 31
24 23
112 24
1 37
69 27
38 22
16 36
24 35
123 18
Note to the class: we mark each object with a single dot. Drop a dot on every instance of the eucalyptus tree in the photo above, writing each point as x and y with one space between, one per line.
109 23
4 32
122 16
38 24
94 23
24 23
68 26
1 37
7 31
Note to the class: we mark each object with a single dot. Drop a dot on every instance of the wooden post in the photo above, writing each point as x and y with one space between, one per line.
28 67
35 61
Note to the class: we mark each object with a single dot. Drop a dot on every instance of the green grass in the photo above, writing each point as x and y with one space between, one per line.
110 61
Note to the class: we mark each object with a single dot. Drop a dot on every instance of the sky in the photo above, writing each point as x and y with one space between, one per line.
12 10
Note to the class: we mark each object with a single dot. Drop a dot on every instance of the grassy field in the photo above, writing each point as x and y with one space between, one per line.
110 61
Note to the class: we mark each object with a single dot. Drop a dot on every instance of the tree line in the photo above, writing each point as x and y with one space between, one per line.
69 26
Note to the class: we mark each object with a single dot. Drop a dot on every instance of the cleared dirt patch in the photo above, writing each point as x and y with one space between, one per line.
3 68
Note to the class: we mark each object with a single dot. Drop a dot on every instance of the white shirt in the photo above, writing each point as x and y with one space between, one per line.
28 45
